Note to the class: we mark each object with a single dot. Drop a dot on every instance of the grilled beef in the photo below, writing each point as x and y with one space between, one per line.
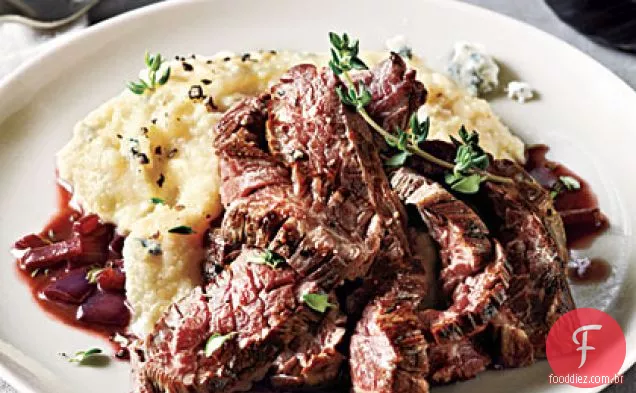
456 361
334 163
474 272
257 306
264 210
260 310
400 342
395 94
303 182
328 212
312 357
388 352
532 234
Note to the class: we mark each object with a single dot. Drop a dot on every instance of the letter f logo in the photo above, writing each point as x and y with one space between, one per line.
583 344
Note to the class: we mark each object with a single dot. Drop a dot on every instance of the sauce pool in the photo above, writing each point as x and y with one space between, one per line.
579 209
598 271
39 281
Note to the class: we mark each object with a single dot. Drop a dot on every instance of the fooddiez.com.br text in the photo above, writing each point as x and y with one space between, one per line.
585 379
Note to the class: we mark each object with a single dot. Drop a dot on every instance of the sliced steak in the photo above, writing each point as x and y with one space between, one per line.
388 352
533 238
329 212
264 211
311 358
395 92
258 307
507 342
252 301
334 162
532 234
456 361
245 164
474 273
465 246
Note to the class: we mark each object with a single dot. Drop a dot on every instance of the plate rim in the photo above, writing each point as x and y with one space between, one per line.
65 43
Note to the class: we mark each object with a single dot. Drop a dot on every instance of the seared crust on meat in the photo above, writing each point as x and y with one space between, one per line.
456 361
311 358
334 163
388 349
532 234
475 273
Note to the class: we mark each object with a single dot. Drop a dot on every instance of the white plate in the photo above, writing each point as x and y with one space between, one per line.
585 113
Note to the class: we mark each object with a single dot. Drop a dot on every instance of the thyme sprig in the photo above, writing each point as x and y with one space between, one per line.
81 357
269 258
466 172
416 134
470 162
564 183
153 63
344 54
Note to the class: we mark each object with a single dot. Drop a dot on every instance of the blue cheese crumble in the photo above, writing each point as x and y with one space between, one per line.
471 67
399 45
519 91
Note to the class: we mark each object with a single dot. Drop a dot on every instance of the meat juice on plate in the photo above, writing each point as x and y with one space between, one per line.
75 271
579 210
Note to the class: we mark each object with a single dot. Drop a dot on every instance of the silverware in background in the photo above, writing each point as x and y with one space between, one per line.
53 14
46 14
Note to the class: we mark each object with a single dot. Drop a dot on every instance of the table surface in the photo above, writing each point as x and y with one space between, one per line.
536 13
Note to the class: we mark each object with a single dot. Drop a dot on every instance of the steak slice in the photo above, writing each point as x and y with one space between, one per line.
276 219
311 358
507 342
255 304
464 241
264 211
260 311
334 162
475 273
532 234
388 352
456 361
395 92
245 164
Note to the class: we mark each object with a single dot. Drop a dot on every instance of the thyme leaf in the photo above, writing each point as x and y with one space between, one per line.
81 356
153 65
182 230
317 301
470 159
562 184
344 54
216 341
570 183
397 160
269 258
465 184
93 274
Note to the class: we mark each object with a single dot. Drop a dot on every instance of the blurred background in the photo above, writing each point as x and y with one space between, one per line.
604 29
